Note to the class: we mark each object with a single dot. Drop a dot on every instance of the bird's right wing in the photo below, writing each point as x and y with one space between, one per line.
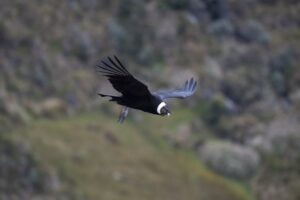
188 89
121 79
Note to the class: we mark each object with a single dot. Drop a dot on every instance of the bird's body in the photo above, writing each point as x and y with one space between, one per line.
135 94
145 103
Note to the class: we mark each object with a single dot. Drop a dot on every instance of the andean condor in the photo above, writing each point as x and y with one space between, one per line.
136 94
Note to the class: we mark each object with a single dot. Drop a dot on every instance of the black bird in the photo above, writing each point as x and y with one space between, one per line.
136 94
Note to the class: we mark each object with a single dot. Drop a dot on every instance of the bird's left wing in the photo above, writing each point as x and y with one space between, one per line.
121 79
188 89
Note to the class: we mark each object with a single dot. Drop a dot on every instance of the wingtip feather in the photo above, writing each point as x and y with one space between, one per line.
120 67
195 86
190 83
110 68
186 85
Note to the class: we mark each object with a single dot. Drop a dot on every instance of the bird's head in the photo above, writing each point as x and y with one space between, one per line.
163 110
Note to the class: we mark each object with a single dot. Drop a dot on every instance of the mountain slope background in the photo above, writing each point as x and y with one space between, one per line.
80 158
244 53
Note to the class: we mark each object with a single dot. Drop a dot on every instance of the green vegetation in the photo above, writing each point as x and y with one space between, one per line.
245 55
96 158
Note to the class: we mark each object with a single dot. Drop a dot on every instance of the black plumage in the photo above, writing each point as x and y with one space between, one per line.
136 94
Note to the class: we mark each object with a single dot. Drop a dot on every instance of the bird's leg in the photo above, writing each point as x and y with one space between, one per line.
123 114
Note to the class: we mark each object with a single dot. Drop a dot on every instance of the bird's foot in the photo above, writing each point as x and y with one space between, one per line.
123 115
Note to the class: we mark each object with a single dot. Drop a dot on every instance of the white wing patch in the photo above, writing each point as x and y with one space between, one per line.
160 106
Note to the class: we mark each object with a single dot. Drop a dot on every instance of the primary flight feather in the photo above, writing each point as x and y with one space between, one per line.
136 94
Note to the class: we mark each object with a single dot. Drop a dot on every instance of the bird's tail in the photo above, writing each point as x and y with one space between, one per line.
113 98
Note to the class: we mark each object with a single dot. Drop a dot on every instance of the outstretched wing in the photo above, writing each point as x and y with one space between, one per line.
188 89
121 79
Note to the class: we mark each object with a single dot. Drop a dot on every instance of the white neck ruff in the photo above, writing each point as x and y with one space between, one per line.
160 106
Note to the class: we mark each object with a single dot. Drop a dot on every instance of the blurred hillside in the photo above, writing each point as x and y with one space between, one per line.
81 158
245 115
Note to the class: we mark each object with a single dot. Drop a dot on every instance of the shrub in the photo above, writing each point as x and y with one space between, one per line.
230 159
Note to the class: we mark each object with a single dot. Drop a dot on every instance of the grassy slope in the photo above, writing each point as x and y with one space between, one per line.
100 159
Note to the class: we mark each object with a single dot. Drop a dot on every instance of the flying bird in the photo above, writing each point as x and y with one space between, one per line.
136 94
